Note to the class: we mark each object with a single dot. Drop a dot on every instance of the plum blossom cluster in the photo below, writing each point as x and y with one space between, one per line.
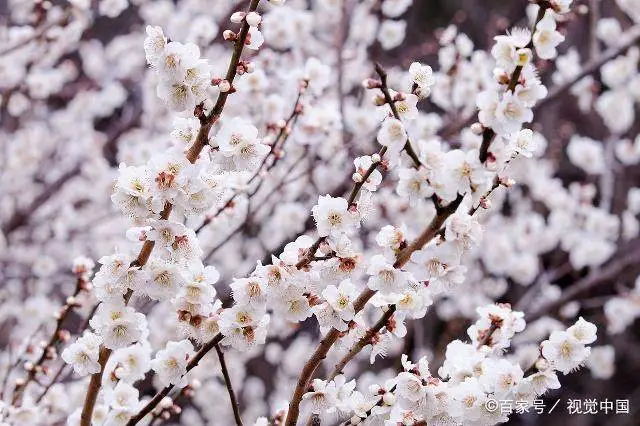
471 374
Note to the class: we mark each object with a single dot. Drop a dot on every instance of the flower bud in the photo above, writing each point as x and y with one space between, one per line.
237 17
371 83
253 19
389 398
357 177
224 86
477 128
229 35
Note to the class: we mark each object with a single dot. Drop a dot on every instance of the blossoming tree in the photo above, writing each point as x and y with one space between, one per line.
277 213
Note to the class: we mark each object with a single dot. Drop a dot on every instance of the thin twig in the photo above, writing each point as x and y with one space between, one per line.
620 262
227 382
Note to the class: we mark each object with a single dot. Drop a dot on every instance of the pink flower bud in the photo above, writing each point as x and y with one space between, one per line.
237 17
229 35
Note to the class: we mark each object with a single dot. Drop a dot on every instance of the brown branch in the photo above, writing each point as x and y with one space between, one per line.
620 263
94 388
227 382
49 351
21 217
363 342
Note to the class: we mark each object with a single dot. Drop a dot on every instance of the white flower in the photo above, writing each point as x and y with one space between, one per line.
112 8
250 291
439 265
463 229
243 327
586 154
510 113
616 107
564 352
255 38
322 397
123 397
253 19
408 107
413 184
561 6
83 354
583 331
422 76
395 8
185 131
333 217
129 364
293 305
391 34
317 74
465 170
119 325
178 96
198 293
238 141
384 277
165 280
609 31
154 44
391 237
341 299
132 191
524 143
392 134
601 362
170 364
177 59
546 38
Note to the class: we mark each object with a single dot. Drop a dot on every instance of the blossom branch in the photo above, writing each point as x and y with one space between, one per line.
333 335
630 38
488 134
192 154
49 350
165 391
363 342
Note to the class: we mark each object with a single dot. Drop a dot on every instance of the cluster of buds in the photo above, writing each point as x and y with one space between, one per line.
253 18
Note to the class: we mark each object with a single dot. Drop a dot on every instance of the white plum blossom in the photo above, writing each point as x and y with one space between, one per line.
333 217
170 364
83 354
547 38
